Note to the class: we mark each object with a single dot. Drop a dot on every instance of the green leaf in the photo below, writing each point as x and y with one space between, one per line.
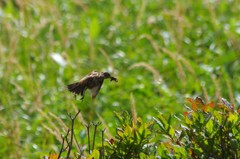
209 126
95 154
170 119
202 118
171 132
119 117
218 116
120 133
128 131
162 122
188 121
233 118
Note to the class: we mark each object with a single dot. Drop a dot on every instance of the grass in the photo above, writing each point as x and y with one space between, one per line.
161 52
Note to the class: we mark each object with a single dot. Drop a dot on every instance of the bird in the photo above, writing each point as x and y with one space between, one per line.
93 81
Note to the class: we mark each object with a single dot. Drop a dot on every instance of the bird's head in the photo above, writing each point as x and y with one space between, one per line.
106 75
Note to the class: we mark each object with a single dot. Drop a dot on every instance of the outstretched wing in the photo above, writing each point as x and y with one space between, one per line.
96 89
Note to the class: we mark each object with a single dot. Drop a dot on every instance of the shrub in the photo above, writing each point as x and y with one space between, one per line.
205 132
133 138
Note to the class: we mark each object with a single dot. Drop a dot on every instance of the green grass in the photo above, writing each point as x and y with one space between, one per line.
191 45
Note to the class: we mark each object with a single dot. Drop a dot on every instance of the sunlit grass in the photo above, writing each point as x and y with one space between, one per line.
174 49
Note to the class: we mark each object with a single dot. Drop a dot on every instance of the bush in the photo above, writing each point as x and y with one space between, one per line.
133 138
205 131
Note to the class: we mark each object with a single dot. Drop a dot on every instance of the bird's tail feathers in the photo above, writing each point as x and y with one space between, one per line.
75 88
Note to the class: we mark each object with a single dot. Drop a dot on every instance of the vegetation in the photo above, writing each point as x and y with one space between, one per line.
162 52
204 132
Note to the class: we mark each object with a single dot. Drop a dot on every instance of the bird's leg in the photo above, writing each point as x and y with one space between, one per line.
82 93
82 98
75 96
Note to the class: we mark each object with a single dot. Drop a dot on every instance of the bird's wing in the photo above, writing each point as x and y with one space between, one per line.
77 88
81 86
96 89
89 79
93 73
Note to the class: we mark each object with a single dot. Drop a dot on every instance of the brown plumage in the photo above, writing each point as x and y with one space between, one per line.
93 81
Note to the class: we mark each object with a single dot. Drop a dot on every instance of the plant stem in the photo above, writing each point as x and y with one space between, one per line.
102 154
94 133
88 134
72 132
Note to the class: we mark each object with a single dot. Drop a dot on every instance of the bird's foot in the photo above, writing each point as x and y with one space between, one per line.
82 98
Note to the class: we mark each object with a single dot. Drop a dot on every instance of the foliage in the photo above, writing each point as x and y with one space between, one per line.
51 156
161 51
132 140
204 133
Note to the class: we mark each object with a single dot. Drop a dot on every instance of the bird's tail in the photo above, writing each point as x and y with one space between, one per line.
75 88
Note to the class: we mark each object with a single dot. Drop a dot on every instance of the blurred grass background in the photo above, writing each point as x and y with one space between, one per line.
160 51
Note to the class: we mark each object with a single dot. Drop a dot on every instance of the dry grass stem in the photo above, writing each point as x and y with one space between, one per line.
107 57
180 72
187 64
107 132
205 93
133 108
178 58
81 4
53 132
211 10
62 124
217 88
148 67
116 9
141 12
52 124
153 43
230 92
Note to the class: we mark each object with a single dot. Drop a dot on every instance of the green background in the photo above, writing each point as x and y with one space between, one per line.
161 51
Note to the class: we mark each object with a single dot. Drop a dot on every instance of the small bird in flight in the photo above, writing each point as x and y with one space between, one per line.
93 81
